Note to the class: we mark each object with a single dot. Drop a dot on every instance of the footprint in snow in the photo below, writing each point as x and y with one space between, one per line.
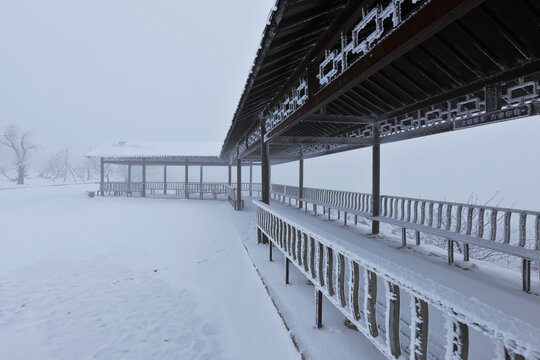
201 261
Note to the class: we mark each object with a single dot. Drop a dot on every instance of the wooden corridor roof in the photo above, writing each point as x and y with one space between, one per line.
331 76
160 153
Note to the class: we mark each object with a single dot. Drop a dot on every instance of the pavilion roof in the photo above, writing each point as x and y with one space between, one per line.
152 150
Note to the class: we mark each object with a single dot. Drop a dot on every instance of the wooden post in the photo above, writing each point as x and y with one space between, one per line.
376 179
201 181
238 180
102 176
318 308
265 171
229 181
301 179
165 179
420 330
186 177
526 275
393 319
129 179
251 179
450 251
143 194
287 270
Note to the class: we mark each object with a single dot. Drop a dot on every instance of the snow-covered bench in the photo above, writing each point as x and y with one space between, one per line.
455 222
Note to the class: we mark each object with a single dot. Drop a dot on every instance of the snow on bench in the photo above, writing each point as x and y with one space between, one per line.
455 222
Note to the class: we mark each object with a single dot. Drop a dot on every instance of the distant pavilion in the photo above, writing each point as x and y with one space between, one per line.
168 154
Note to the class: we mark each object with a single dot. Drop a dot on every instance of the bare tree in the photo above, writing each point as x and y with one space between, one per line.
21 146
59 167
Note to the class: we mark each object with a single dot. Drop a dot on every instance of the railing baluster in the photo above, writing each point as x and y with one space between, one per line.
371 302
460 340
493 223
354 290
480 231
320 264
305 251
420 330
522 229
341 280
293 245
439 215
392 319
430 222
507 230
312 252
330 271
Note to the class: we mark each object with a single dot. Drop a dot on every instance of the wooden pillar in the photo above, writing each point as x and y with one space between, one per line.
265 171
102 176
376 179
129 177
165 179
201 181
143 193
251 179
186 176
318 308
229 181
238 180
301 179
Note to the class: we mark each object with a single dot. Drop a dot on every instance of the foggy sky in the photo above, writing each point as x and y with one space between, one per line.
85 73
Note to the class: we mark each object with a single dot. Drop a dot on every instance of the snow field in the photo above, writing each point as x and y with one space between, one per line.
129 278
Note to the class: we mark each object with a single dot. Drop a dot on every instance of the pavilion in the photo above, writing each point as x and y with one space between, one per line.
333 76
165 155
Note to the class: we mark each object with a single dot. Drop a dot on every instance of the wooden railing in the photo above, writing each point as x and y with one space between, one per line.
349 279
486 227
118 188
232 197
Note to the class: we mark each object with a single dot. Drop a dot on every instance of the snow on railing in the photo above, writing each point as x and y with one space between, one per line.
512 232
348 278
237 204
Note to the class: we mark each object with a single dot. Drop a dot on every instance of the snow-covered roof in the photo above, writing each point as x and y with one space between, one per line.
157 149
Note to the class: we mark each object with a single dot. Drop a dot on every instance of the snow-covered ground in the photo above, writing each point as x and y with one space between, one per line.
129 278
135 278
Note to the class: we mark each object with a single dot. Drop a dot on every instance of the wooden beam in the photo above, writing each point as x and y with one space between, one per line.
322 140
339 119
429 20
